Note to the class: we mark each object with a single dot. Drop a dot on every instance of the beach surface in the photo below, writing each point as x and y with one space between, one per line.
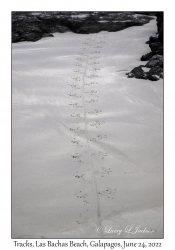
87 142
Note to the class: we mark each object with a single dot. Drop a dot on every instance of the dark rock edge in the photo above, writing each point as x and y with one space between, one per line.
155 57
32 26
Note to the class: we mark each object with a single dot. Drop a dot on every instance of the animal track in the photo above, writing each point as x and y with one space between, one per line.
85 74
76 78
75 105
108 193
100 42
87 44
79 65
79 59
99 137
91 83
76 156
95 52
95 57
74 95
96 63
77 142
92 100
78 71
97 123
77 131
95 111
100 154
95 69
91 76
77 116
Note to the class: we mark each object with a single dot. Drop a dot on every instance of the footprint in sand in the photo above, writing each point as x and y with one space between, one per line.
109 193
88 59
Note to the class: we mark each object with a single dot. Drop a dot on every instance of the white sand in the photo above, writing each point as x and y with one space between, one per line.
87 141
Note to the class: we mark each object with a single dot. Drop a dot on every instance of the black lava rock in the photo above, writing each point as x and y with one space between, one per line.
33 37
138 73
47 35
160 26
152 77
15 38
154 38
157 70
154 74
156 60
155 57
147 56
32 26
156 48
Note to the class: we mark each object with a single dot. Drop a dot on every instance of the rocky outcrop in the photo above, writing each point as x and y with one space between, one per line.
32 26
154 58
153 74
137 72
156 48
146 57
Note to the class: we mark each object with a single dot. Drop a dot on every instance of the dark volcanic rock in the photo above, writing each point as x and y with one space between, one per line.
59 28
154 38
154 74
146 57
32 26
15 37
152 77
160 25
47 35
138 73
33 37
156 48
156 70
156 60
155 57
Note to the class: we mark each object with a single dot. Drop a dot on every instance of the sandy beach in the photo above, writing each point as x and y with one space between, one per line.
87 142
